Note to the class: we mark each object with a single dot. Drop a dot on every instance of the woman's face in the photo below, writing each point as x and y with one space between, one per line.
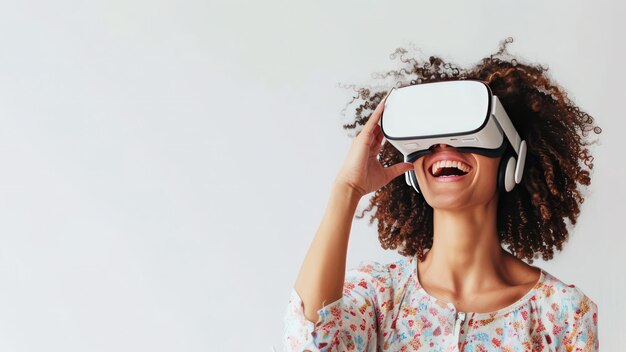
476 187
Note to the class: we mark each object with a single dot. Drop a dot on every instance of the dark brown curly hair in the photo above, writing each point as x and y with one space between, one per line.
530 218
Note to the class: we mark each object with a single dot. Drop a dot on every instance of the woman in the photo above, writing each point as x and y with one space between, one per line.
457 289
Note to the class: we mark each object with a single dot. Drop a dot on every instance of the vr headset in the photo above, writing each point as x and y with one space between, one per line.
463 114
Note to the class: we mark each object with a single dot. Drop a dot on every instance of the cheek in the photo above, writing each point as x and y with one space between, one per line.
419 168
489 169
421 172
494 164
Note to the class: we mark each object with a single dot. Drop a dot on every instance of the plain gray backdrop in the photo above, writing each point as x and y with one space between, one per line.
165 164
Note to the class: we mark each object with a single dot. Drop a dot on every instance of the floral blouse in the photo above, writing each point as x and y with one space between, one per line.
384 308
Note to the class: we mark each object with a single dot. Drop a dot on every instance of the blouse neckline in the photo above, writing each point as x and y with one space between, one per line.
484 315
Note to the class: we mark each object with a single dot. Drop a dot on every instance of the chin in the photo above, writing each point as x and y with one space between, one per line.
447 201
455 200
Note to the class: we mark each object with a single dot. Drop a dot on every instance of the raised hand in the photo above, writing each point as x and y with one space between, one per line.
361 169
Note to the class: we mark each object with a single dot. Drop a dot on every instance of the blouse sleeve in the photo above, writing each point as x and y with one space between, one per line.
586 336
584 333
347 324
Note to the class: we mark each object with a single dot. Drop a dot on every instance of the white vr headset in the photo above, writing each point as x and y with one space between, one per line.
463 114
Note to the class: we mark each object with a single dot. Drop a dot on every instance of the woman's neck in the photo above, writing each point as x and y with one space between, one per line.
466 255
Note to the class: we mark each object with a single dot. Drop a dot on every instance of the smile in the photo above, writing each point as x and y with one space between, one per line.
448 171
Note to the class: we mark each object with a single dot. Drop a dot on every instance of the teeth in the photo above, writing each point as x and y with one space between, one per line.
449 163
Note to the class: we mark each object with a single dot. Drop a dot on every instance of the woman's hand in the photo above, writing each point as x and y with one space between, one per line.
362 170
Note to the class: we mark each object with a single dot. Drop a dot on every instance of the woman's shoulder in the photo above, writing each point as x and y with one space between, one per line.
558 295
385 274
397 267
567 313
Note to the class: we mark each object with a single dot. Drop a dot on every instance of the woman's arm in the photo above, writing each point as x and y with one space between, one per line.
324 311
322 274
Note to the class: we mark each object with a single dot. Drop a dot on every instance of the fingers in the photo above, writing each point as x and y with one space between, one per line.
376 135
375 150
397 170
377 139
375 117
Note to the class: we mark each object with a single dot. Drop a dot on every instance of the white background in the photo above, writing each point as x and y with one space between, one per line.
165 164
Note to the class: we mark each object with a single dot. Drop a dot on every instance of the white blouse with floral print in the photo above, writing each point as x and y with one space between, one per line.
384 308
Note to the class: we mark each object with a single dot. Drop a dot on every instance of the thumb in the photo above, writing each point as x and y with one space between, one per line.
398 169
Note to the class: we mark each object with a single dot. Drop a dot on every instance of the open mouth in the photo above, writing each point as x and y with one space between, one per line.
447 168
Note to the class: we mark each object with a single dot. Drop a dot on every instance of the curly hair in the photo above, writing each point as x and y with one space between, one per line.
530 219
